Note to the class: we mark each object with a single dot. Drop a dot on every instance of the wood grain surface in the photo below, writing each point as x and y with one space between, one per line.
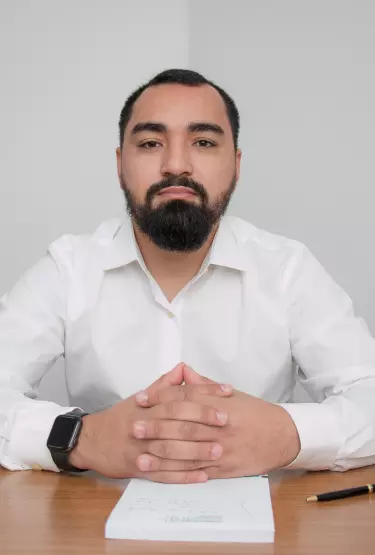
47 513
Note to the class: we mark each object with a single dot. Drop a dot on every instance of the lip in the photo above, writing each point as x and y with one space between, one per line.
177 192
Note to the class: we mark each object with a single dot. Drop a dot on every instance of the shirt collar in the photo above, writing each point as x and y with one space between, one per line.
118 247
227 249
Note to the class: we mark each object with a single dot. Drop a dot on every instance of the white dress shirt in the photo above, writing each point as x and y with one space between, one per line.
260 308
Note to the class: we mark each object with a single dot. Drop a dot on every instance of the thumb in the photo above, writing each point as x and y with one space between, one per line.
174 377
193 378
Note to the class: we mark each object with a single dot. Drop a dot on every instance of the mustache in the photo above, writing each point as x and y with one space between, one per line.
176 181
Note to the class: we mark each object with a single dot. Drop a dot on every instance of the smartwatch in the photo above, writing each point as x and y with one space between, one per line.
63 438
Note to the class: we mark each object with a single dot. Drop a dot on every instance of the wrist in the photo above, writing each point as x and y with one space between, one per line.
291 446
78 456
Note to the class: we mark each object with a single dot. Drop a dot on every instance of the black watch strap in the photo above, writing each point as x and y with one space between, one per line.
60 456
61 460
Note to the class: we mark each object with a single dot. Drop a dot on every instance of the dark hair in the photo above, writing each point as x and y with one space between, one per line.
183 77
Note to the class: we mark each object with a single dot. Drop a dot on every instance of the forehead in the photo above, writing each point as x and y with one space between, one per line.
177 105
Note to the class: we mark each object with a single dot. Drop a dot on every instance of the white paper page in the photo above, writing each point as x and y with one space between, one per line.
236 509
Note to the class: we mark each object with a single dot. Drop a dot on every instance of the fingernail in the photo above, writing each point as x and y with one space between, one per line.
142 397
216 451
144 463
139 429
222 417
202 477
226 388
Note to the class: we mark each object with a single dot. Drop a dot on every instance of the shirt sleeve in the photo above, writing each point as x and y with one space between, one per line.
336 356
32 317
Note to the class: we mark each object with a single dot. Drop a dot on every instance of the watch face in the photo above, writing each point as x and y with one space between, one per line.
64 433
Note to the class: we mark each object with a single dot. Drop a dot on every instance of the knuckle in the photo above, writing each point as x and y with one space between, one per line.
158 477
165 450
169 477
209 390
154 399
188 430
156 429
182 392
193 464
170 409
209 414
191 392
157 397
156 464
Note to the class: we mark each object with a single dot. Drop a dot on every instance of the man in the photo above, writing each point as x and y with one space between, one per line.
176 282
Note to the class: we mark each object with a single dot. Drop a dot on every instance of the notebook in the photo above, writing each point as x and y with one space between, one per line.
231 510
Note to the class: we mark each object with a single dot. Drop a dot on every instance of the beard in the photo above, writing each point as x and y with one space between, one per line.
177 225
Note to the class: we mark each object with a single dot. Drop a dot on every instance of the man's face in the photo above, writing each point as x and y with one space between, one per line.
178 167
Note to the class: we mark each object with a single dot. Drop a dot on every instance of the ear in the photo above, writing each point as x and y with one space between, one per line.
238 164
118 158
193 378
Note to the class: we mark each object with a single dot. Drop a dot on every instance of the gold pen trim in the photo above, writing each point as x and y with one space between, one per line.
370 488
312 499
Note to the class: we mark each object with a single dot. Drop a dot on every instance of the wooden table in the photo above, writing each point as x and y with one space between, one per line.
47 513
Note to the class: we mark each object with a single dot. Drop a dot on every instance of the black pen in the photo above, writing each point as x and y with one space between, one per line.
341 494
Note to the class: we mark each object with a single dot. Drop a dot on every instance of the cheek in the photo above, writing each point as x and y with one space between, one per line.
136 168
215 173
139 175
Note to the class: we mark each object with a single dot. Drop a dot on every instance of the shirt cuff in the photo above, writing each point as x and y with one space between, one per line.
27 448
319 435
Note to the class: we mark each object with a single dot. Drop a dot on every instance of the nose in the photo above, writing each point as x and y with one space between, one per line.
176 161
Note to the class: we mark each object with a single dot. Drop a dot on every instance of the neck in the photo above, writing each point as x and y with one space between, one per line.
173 268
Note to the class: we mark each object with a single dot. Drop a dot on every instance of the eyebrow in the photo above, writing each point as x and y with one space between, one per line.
193 127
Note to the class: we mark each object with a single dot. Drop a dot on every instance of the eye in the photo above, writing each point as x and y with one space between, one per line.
205 143
149 145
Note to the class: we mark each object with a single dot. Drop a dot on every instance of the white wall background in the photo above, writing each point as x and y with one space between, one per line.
303 76
301 72
66 69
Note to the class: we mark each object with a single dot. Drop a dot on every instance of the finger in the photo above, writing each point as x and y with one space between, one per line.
172 429
151 463
216 471
213 472
182 393
193 378
186 410
174 377
184 450
192 477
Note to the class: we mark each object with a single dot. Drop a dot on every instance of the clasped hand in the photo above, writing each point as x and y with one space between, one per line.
224 432
186 428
